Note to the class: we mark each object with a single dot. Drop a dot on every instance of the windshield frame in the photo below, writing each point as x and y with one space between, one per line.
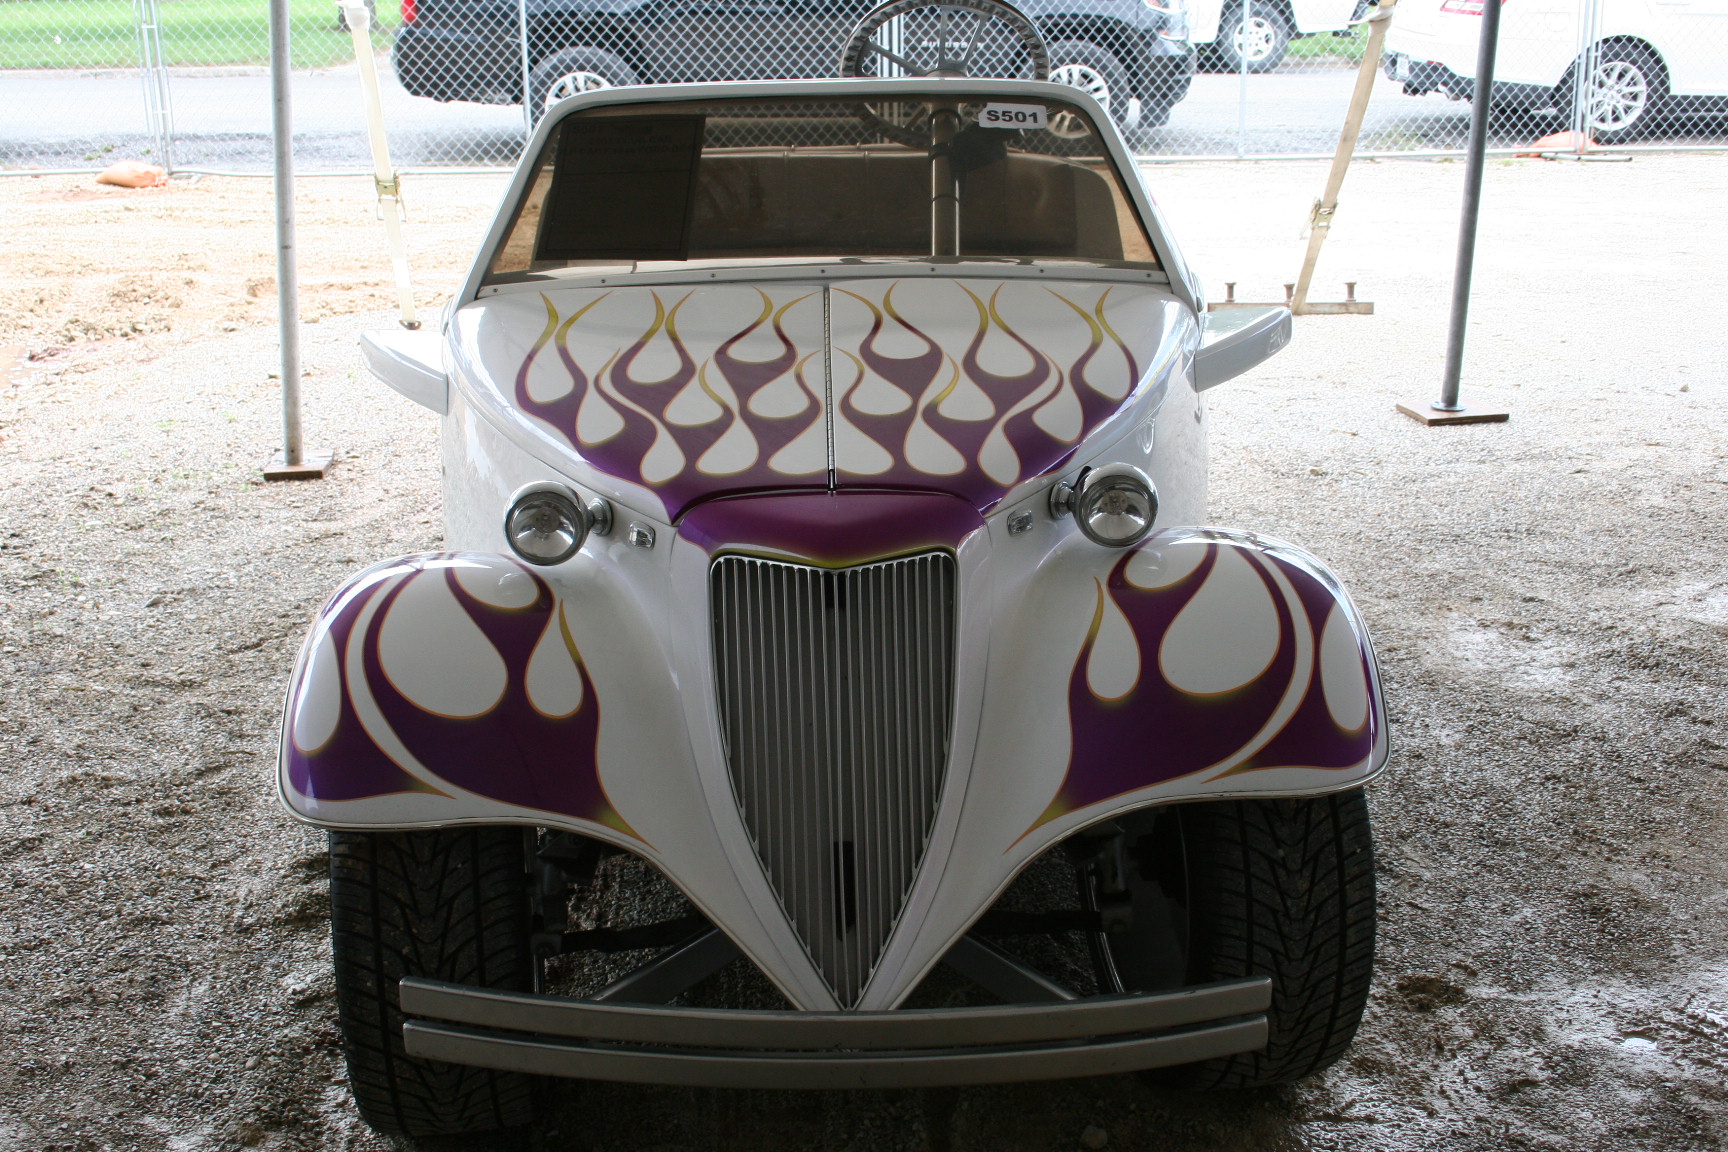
1175 270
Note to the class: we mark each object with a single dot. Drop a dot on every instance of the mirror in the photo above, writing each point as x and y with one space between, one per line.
1236 339
410 362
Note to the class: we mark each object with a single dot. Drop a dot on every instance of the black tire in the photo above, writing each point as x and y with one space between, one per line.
1268 27
1095 71
568 70
1282 888
1632 88
450 904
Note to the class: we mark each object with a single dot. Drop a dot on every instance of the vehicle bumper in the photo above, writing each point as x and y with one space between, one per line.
451 64
1166 71
1421 77
733 1048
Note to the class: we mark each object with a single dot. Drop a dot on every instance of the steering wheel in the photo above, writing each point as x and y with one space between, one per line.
939 38
946 38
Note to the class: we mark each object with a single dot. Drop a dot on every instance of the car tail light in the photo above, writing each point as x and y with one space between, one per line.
411 11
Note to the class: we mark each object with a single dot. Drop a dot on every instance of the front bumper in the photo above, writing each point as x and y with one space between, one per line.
1166 70
904 1048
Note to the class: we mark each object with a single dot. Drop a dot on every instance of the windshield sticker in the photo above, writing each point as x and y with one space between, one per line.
997 115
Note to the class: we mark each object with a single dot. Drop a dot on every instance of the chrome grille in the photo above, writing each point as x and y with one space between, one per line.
835 690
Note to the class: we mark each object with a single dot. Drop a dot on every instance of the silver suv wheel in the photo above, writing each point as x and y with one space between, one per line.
1255 39
1086 78
1619 94
575 83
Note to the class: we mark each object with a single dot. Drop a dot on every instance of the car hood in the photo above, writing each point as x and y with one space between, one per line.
663 396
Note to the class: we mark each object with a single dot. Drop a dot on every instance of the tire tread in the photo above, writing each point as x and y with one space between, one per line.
449 904
1284 888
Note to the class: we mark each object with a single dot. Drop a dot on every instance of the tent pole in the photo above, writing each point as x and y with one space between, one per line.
291 462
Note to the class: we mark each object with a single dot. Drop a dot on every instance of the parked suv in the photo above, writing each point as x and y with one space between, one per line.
1648 60
1132 56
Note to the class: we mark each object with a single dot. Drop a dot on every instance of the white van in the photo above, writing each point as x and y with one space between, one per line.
1644 59
1228 33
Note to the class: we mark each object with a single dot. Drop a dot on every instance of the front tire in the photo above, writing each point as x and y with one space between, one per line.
450 904
1237 888
571 71
1260 36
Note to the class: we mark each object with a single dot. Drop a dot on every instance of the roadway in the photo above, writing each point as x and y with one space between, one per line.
221 120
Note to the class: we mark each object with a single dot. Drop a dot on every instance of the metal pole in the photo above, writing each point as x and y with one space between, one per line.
1479 107
158 112
944 189
1241 47
527 85
287 273
1589 54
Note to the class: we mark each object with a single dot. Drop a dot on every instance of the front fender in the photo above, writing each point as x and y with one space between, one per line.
1202 663
452 688
444 686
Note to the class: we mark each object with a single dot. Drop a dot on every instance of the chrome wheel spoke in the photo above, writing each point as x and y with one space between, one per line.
894 58
972 43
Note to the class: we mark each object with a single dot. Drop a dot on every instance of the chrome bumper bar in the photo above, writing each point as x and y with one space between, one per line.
731 1048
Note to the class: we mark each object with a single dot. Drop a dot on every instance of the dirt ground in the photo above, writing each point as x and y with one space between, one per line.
1549 597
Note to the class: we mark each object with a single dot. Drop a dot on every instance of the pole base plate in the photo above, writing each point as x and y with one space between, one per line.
312 466
1432 416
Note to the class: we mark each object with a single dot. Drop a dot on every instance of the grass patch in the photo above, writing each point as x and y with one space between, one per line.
104 33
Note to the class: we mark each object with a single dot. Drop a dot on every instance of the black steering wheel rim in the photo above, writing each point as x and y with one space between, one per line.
969 20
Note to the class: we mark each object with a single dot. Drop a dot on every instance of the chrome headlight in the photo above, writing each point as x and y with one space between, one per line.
1114 505
546 523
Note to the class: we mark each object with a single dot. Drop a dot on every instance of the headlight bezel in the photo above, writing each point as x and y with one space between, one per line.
1085 497
561 500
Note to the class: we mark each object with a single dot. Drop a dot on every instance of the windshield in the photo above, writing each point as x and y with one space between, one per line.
647 186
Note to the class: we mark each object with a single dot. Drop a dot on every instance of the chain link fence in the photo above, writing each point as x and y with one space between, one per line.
185 83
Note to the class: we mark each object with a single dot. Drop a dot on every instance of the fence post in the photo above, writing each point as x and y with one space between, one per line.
1589 28
1242 81
153 71
527 86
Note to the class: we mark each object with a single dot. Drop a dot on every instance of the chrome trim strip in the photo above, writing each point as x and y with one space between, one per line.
738 1029
723 1068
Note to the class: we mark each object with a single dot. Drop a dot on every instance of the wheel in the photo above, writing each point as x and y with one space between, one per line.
450 904
1623 95
570 71
1096 72
1236 888
1261 37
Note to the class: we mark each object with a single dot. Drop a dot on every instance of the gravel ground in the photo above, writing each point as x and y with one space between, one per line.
1549 596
